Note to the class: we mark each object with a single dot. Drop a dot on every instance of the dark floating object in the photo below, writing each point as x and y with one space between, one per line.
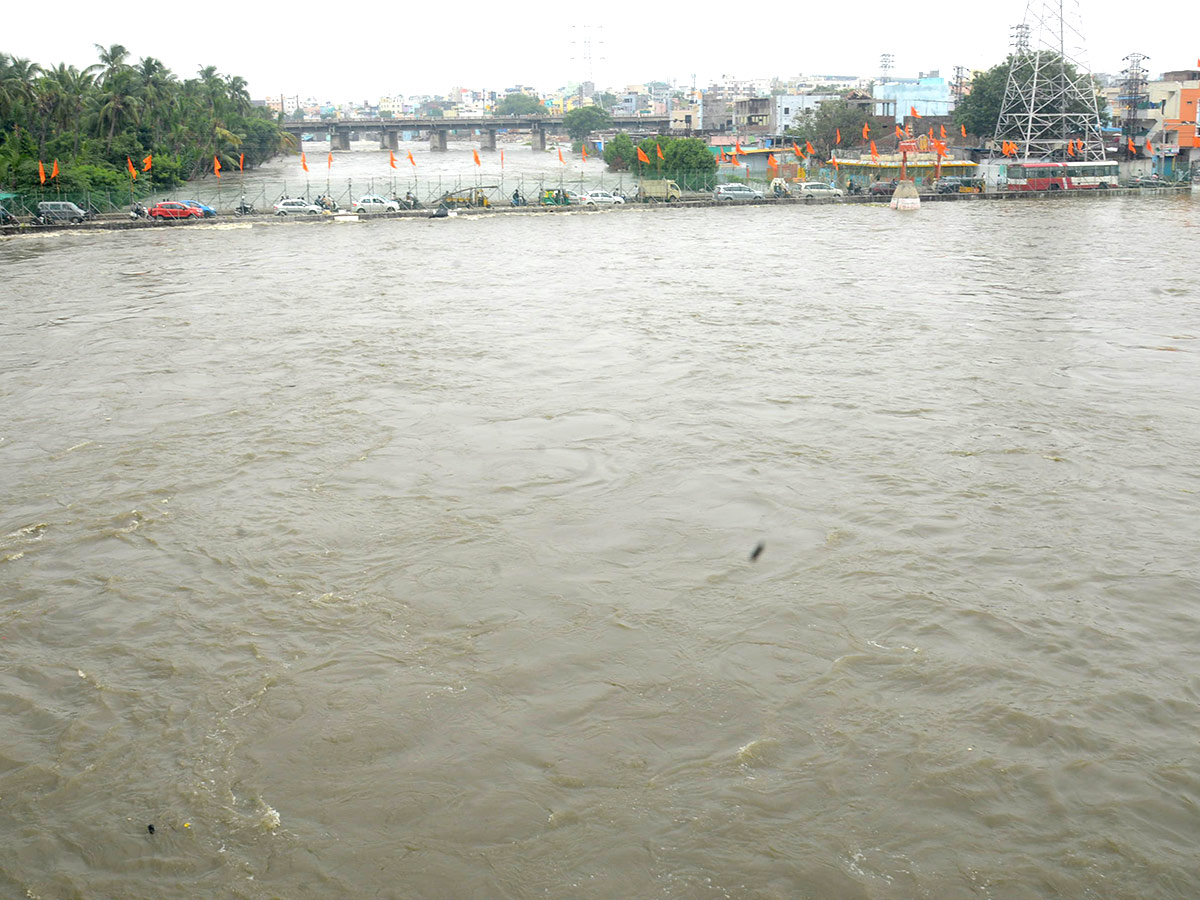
757 551
150 828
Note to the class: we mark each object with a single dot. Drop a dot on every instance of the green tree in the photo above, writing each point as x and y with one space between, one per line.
680 156
620 153
581 122
517 104
822 126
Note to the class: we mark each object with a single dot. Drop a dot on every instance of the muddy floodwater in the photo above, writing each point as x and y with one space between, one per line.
412 558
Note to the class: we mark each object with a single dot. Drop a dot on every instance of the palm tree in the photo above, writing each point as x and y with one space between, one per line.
17 77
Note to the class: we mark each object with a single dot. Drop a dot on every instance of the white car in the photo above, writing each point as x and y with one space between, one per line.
598 198
736 191
373 203
816 190
297 207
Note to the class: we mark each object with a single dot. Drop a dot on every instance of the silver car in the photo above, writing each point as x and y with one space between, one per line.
736 192
816 190
373 203
297 207
600 198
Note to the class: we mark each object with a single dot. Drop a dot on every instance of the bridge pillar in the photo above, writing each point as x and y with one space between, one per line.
437 139
538 136
389 139
488 139
339 139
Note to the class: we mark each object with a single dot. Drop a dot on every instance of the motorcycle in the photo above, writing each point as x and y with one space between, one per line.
244 209
137 211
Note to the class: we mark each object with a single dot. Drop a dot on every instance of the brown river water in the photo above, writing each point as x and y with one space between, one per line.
411 558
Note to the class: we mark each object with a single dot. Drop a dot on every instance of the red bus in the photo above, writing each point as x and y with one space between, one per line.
1061 176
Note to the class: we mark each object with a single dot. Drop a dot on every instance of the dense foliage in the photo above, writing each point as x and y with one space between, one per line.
823 125
92 121
680 156
581 122
518 104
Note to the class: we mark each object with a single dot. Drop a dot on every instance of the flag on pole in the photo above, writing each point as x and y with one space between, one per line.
733 158
874 153
809 148
839 135
771 163
41 172
899 134
475 153
411 160
642 157
931 132
560 159
1070 148
915 114
907 130
132 170
303 162
943 129
148 162
216 166
963 129
1149 147
329 161
737 147
391 159
866 130
834 162
241 162
658 150
585 151
54 171
501 159
1132 149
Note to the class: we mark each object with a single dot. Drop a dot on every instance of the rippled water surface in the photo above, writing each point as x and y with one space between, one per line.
411 558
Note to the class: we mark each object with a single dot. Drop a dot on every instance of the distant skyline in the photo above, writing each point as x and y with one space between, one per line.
373 49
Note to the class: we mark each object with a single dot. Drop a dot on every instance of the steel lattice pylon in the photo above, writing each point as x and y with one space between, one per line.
1046 106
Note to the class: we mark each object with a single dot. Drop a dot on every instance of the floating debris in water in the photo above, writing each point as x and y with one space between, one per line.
757 551
150 828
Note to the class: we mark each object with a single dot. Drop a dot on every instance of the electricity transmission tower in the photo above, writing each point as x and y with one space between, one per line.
1134 94
1050 99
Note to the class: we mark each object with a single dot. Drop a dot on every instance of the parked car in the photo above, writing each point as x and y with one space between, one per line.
207 211
957 184
736 192
816 190
601 198
373 203
296 206
174 209
52 211
883 188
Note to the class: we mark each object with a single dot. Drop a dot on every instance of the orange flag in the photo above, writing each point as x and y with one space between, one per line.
303 162
737 147
943 128
642 156
733 158
148 162
839 135
54 171
584 152
874 152
931 132
963 129
241 162
771 163
132 170
1149 147
475 153
834 162
217 167
560 159
411 160
329 161
391 159
1132 149
502 159
899 134
809 147
907 130
658 150
41 172
915 114
1070 148
866 130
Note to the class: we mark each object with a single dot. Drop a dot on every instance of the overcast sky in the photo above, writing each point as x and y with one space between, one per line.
366 49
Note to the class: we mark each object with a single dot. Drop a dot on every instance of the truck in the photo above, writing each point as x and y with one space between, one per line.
659 190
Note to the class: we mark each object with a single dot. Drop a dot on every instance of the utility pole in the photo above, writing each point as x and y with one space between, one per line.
1134 94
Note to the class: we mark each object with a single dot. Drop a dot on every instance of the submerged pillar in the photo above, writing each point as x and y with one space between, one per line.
488 139
437 139
538 136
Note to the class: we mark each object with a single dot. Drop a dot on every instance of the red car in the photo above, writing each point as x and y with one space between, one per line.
169 209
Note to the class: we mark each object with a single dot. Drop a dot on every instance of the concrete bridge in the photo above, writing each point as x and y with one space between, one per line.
341 131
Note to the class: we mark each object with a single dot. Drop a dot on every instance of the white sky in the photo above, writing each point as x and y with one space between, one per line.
371 48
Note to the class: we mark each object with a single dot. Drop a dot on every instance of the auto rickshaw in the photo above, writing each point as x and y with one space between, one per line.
466 198
555 197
